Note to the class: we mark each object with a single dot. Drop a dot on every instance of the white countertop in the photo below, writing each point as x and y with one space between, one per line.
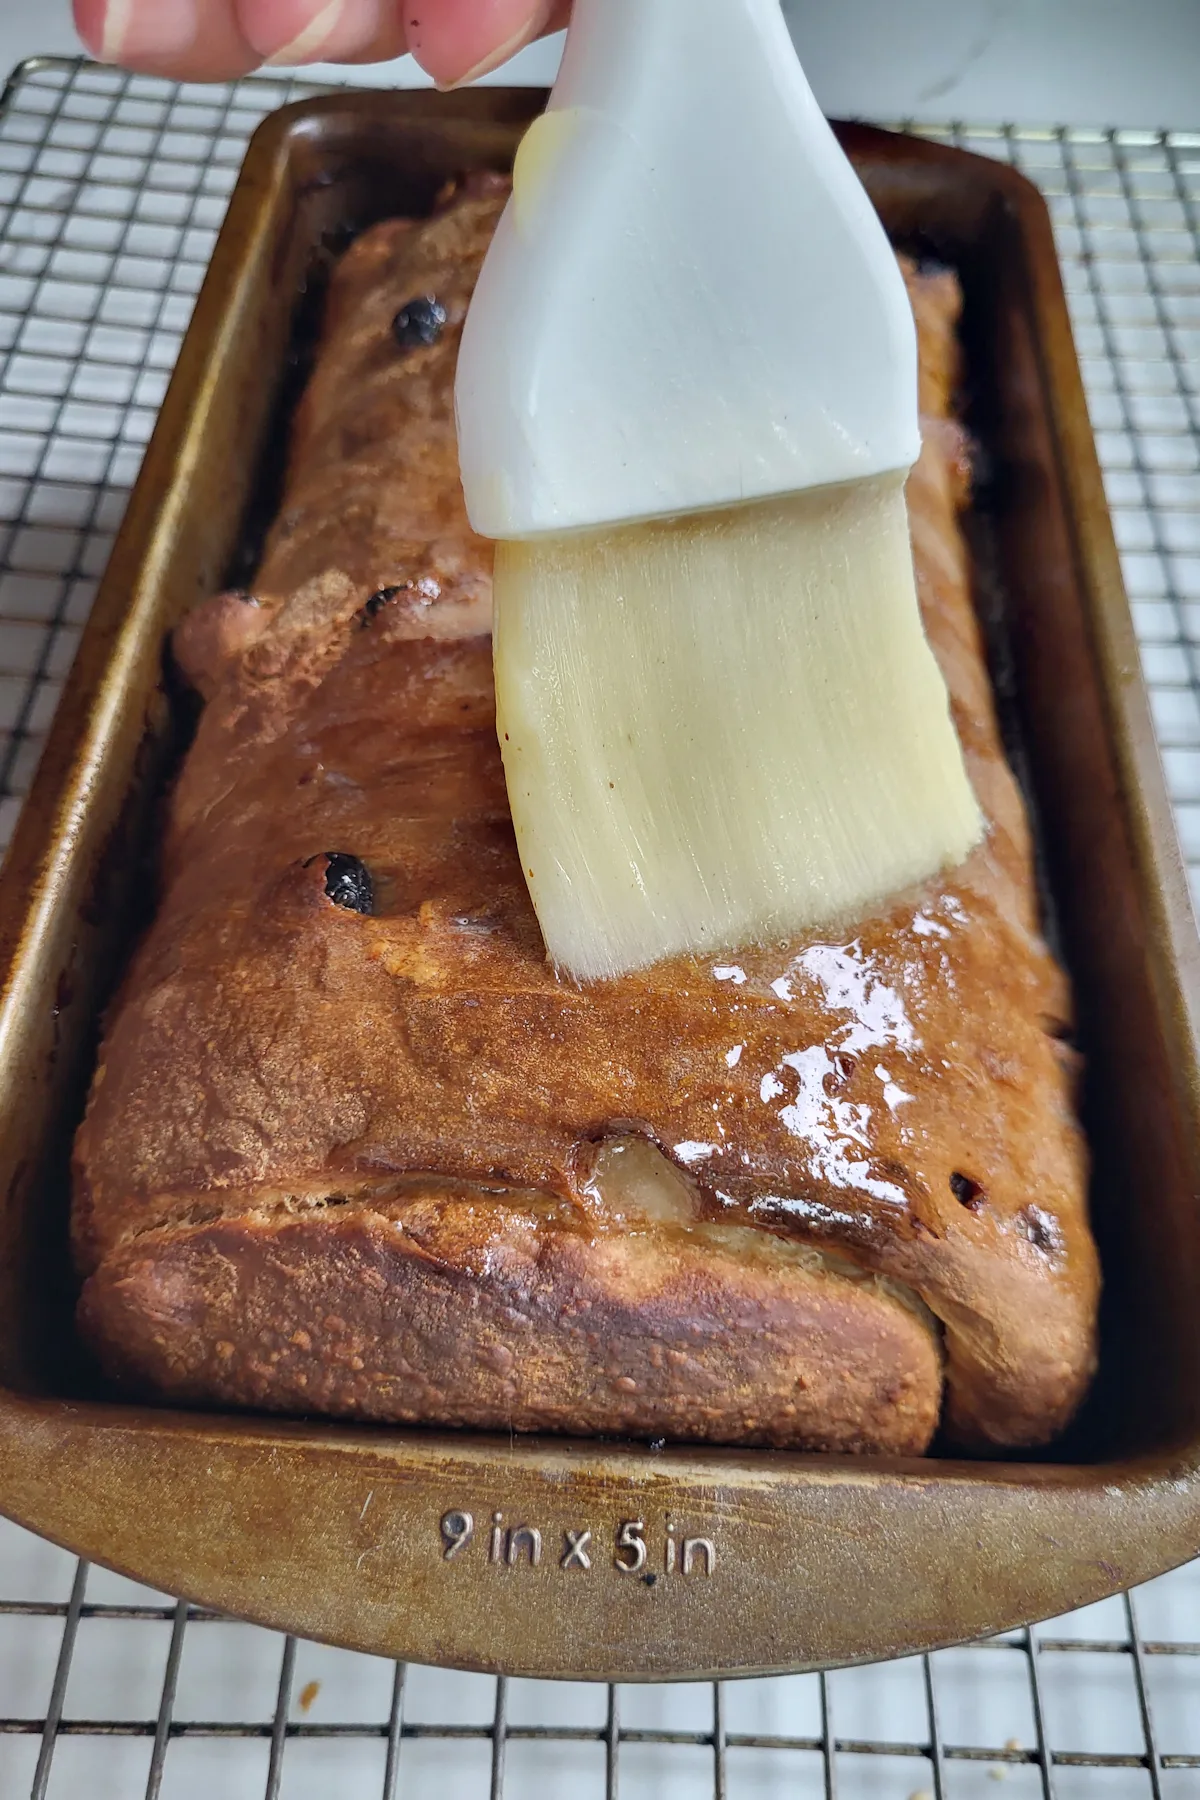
1080 62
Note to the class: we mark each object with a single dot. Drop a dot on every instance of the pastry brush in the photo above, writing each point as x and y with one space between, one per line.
687 404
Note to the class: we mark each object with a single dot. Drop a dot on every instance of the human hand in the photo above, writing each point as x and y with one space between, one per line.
220 40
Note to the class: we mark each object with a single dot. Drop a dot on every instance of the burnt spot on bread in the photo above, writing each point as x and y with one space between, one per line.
1041 1229
348 882
419 323
418 594
379 599
968 1192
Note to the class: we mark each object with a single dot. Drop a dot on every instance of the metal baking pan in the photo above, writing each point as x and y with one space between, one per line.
798 1561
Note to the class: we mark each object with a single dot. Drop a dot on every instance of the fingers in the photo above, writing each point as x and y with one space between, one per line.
188 40
458 40
294 32
219 40
453 40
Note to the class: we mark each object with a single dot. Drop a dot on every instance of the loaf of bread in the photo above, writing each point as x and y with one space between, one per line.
353 1149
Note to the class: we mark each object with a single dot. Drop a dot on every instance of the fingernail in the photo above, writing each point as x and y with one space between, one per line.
316 42
501 54
133 28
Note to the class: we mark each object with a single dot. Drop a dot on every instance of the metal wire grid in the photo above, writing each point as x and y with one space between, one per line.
1126 211
111 193
946 1725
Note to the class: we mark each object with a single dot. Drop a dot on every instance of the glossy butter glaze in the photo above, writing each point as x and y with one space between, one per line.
897 1093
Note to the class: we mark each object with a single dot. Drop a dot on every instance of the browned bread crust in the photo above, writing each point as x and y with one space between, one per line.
347 1163
489 1310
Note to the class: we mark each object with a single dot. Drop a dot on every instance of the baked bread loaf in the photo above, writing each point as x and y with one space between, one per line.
353 1149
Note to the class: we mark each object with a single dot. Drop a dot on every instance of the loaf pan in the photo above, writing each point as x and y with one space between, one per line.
402 1541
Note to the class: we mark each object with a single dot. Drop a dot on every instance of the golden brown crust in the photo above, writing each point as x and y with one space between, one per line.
897 1095
455 1310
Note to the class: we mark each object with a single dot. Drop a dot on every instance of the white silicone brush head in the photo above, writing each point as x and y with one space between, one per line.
723 729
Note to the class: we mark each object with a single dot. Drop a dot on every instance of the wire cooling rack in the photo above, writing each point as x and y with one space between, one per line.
111 192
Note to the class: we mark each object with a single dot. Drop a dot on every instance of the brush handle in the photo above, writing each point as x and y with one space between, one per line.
623 54
690 301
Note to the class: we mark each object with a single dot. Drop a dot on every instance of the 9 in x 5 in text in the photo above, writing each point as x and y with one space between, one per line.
508 1546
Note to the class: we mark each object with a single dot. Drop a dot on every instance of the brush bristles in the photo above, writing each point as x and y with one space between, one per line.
724 728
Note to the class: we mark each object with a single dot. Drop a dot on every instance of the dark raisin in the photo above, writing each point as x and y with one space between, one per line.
968 1193
380 599
419 322
839 1075
348 882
